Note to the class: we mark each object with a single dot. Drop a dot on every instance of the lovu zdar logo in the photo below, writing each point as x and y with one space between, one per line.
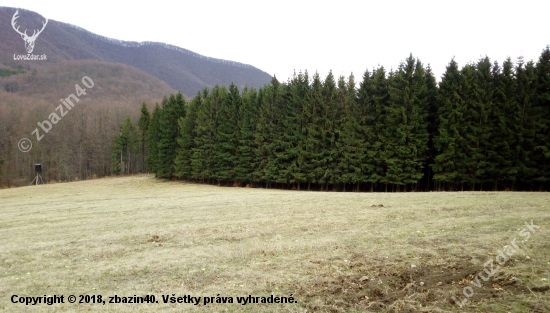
29 40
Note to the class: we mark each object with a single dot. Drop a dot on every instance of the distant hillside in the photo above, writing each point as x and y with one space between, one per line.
112 81
79 145
182 69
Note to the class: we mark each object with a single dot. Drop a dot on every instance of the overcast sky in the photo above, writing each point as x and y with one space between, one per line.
343 36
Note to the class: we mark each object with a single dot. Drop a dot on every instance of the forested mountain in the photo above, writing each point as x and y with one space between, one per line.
79 143
183 70
126 75
486 126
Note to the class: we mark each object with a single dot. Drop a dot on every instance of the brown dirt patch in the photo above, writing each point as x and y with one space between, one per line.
365 284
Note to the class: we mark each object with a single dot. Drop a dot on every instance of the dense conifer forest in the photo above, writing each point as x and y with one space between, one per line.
484 126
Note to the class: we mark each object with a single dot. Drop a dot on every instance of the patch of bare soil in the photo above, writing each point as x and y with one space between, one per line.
380 284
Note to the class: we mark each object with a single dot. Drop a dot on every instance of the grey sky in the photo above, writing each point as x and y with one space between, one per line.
345 36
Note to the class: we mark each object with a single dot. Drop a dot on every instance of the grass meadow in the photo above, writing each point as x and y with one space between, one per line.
333 252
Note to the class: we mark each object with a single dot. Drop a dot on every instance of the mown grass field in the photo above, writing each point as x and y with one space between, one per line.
334 252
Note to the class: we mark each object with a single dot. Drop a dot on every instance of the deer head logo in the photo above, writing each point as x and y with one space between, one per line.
29 40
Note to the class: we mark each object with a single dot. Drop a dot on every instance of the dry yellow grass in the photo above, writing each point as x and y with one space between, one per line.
334 252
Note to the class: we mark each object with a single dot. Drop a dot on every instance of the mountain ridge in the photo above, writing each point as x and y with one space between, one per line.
125 43
182 69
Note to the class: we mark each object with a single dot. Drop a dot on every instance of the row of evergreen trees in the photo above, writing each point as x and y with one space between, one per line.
484 126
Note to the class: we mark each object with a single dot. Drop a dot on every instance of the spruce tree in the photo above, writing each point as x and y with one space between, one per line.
433 107
292 128
172 110
271 129
374 98
526 127
186 140
202 160
477 97
449 140
309 154
352 141
246 150
542 117
406 135
330 130
480 103
143 125
227 135
151 159
503 121
124 148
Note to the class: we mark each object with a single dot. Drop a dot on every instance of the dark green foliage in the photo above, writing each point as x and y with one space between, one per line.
246 150
374 98
433 107
151 159
143 126
485 126
449 141
317 112
526 126
405 138
503 119
479 103
227 135
309 155
172 110
125 145
295 93
269 137
7 72
330 132
203 157
542 114
186 140
352 141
